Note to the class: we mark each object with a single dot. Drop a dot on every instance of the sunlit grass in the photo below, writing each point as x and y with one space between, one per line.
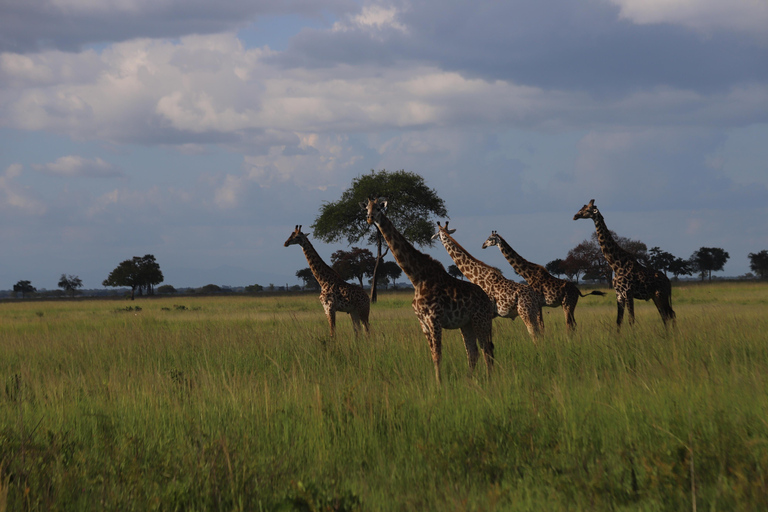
245 403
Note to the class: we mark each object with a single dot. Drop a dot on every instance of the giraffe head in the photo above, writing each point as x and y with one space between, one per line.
375 208
492 240
588 211
297 237
443 229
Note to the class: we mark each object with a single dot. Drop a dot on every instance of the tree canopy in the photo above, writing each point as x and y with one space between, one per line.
306 275
140 273
354 264
758 262
412 206
70 283
706 260
23 287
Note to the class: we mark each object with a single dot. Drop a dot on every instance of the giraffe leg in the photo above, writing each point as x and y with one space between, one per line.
364 318
569 308
531 319
330 312
482 330
630 309
661 301
470 344
355 322
434 332
620 311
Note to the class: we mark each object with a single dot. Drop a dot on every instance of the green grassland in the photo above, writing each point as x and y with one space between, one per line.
245 403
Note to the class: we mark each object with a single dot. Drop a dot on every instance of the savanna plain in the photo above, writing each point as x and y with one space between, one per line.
245 403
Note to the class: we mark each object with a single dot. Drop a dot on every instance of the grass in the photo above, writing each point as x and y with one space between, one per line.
245 403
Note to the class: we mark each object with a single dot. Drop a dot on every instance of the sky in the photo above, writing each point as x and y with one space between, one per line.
203 131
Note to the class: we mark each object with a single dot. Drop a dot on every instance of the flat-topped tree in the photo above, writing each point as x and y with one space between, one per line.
414 205
631 279
335 293
511 299
439 300
556 292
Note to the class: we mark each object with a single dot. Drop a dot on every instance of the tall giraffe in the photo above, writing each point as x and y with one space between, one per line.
510 299
631 280
557 292
440 301
335 293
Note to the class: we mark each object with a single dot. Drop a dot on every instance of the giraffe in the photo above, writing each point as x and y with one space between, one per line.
510 299
440 301
335 293
631 280
557 292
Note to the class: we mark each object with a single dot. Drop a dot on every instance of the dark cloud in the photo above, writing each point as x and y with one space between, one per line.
34 25
555 44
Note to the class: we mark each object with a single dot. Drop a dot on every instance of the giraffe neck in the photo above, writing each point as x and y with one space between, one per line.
523 267
611 250
413 262
468 264
320 269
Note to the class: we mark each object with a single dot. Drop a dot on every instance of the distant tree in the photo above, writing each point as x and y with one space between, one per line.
140 273
758 263
454 271
706 260
680 267
23 287
412 204
390 270
308 277
211 288
660 260
70 283
254 288
353 264
166 289
588 257
555 267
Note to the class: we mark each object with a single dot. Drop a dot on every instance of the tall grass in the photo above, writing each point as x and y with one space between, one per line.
246 404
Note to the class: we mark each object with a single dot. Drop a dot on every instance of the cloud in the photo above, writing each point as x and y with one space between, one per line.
76 166
34 25
707 16
14 197
556 44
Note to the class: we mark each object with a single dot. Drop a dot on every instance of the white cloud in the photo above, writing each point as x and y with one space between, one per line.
372 17
750 16
77 166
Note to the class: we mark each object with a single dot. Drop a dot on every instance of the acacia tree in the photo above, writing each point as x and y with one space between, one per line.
354 264
706 260
412 204
140 273
70 283
758 263
555 267
680 267
23 287
390 270
660 260
454 271
592 263
310 281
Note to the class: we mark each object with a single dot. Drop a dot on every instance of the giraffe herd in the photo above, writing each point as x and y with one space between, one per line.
442 301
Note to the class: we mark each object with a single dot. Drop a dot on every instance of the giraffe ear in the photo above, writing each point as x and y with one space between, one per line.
451 231
363 205
383 201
